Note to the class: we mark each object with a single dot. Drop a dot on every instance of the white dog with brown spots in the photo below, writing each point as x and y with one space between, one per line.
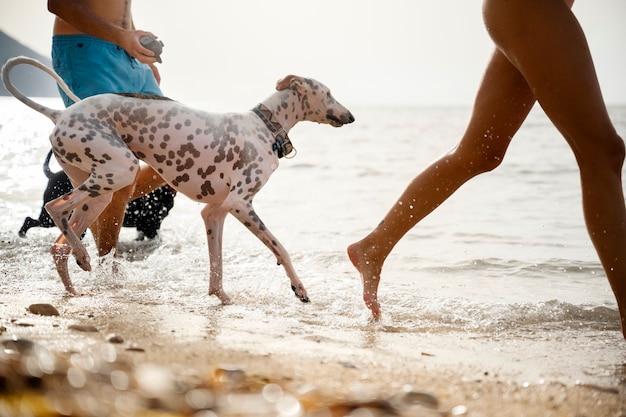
221 160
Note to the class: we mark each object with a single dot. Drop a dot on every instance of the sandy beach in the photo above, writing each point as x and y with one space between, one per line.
169 354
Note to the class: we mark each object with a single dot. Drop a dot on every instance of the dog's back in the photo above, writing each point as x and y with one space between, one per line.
201 154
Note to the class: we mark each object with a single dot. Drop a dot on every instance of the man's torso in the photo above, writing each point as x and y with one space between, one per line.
117 12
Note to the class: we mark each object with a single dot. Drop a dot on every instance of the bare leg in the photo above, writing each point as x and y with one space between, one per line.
554 58
147 181
502 103
106 229
543 40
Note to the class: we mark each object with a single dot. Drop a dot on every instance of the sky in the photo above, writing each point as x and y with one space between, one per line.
393 52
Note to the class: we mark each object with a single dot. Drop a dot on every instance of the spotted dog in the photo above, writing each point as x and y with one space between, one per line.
221 160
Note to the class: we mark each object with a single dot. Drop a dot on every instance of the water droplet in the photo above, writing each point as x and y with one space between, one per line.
76 377
120 380
288 406
200 399
272 392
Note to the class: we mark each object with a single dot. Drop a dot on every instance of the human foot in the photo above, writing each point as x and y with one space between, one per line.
370 276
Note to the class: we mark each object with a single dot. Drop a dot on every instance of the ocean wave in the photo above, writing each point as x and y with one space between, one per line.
468 316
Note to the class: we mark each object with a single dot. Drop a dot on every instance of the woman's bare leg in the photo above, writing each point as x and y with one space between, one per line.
550 50
502 103
544 42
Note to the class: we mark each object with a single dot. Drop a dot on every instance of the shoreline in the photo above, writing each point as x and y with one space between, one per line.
321 371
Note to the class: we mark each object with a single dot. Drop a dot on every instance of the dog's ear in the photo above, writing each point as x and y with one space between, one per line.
289 81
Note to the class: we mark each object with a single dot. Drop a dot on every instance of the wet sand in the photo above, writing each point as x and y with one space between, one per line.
328 374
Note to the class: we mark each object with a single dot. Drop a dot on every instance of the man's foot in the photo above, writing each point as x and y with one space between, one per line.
370 276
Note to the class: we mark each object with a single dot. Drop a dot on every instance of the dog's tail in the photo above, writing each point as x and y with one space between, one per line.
46 166
46 111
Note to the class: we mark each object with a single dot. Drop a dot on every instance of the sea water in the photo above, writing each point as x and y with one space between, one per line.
501 277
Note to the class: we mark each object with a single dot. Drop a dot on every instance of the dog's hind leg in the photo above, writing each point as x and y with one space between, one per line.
106 229
244 212
78 221
29 223
214 221
75 211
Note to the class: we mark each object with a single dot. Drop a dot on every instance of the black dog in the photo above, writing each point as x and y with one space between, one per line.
58 184
145 213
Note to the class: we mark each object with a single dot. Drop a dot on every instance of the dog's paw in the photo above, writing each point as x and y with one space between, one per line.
84 262
219 293
301 293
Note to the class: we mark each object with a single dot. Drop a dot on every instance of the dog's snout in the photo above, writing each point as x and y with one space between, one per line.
347 118
341 119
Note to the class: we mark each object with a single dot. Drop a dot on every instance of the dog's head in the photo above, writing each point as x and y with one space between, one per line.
317 104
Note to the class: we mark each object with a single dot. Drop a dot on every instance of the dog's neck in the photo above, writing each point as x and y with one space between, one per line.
282 146
282 112
286 107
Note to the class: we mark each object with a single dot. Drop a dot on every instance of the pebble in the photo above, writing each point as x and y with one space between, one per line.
18 345
423 399
85 328
135 348
43 310
228 377
115 338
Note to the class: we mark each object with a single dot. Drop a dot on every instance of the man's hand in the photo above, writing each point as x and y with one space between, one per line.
129 40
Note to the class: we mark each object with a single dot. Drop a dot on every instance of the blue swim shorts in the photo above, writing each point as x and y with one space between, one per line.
93 66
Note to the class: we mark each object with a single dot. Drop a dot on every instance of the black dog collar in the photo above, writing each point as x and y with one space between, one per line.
282 146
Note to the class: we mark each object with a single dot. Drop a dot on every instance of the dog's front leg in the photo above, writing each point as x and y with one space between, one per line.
244 212
214 222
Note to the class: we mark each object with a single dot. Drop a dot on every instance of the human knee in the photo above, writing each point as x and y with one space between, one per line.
479 161
609 153
489 161
618 151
